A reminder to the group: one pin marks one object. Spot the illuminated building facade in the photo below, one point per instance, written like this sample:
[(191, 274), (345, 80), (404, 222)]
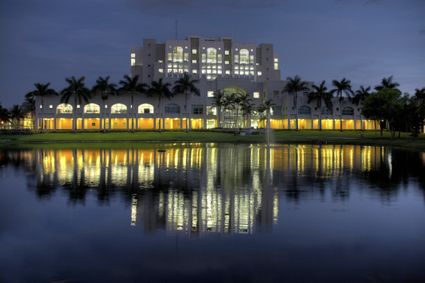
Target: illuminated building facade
[(218, 64)]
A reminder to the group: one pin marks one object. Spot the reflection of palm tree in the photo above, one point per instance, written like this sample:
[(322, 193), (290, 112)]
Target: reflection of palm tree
[(341, 88), (41, 90), (320, 94), (160, 89), (77, 90), (105, 89), (186, 85), (294, 86)]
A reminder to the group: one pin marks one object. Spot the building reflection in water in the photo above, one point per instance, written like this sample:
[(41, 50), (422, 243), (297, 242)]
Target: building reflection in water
[(198, 188)]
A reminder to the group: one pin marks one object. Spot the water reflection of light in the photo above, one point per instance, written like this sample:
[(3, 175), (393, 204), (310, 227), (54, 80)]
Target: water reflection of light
[(205, 188)]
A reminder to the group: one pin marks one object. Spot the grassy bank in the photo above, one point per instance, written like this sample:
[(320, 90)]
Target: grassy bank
[(121, 138)]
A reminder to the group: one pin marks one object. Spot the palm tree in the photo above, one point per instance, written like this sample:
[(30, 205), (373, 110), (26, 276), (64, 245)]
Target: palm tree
[(245, 103), (387, 83), (105, 89), (77, 90), (220, 102), (132, 86), (4, 116), (16, 114), (160, 89), (341, 88), (420, 93), (294, 86), (320, 94), (361, 94), (265, 106), (186, 85), (41, 90)]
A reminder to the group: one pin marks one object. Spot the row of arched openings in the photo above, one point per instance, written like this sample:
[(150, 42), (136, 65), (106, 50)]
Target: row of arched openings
[(93, 108)]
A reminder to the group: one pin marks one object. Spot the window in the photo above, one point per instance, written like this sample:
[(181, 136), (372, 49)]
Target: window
[(210, 93), (51, 106), (161, 70), (211, 110), (194, 71), (197, 109), (348, 111), (194, 51), (259, 73), (118, 108), (226, 62), (145, 108), (244, 56), (226, 52), (227, 72), (304, 110), (172, 108), (64, 108), (194, 61), (211, 55), (177, 54), (92, 108), (256, 94), (133, 59)]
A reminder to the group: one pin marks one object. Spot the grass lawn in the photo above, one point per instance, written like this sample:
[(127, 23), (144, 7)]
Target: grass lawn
[(123, 138)]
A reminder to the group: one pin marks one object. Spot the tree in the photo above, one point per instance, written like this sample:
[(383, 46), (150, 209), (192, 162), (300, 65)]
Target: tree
[(417, 111), (387, 83), (41, 91), (247, 108), (104, 88), (361, 94), (187, 86), (293, 86), (16, 114), (77, 91), (160, 90), (220, 102), (383, 105), (265, 106), (320, 94), (4, 116), (132, 86), (341, 88)]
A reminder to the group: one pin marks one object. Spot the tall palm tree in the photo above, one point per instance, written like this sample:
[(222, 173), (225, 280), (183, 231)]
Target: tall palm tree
[(41, 90), (320, 94), (294, 86), (387, 83), (265, 106), (160, 90), (361, 94), (4, 116), (220, 102), (132, 86), (105, 89), (186, 85), (16, 114), (341, 88), (77, 91), (247, 108)]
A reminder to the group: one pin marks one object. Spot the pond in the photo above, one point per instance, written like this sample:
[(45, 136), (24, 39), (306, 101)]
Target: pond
[(212, 213)]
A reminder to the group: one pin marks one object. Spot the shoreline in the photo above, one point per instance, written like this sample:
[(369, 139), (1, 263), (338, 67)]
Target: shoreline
[(88, 139)]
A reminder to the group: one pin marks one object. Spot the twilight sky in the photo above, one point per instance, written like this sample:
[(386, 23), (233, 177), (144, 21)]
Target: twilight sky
[(363, 40)]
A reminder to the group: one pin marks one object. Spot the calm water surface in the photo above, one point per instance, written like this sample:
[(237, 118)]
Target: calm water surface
[(212, 213)]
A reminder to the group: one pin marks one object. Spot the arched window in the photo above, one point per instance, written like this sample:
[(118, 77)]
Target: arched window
[(348, 110), (211, 55), (326, 111), (92, 108), (178, 54), (118, 108), (172, 108), (244, 56), (145, 108), (304, 110), (64, 109)]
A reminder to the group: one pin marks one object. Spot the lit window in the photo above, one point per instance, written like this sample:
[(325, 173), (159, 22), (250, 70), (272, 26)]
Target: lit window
[(186, 57), (64, 108), (244, 56), (226, 52), (91, 108), (160, 61), (41, 106), (256, 94), (276, 66), (145, 108), (106, 106), (133, 55), (211, 110), (78, 106), (237, 72), (259, 73), (210, 93), (226, 62), (227, 72), (211, 55), (51, 106), (161, 70), (276, 60), (194, 51), (118, 108), (177, 54), (204, 57), (194, 71), (194, 61), (170, 56), (132, 61), (203, 71)]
